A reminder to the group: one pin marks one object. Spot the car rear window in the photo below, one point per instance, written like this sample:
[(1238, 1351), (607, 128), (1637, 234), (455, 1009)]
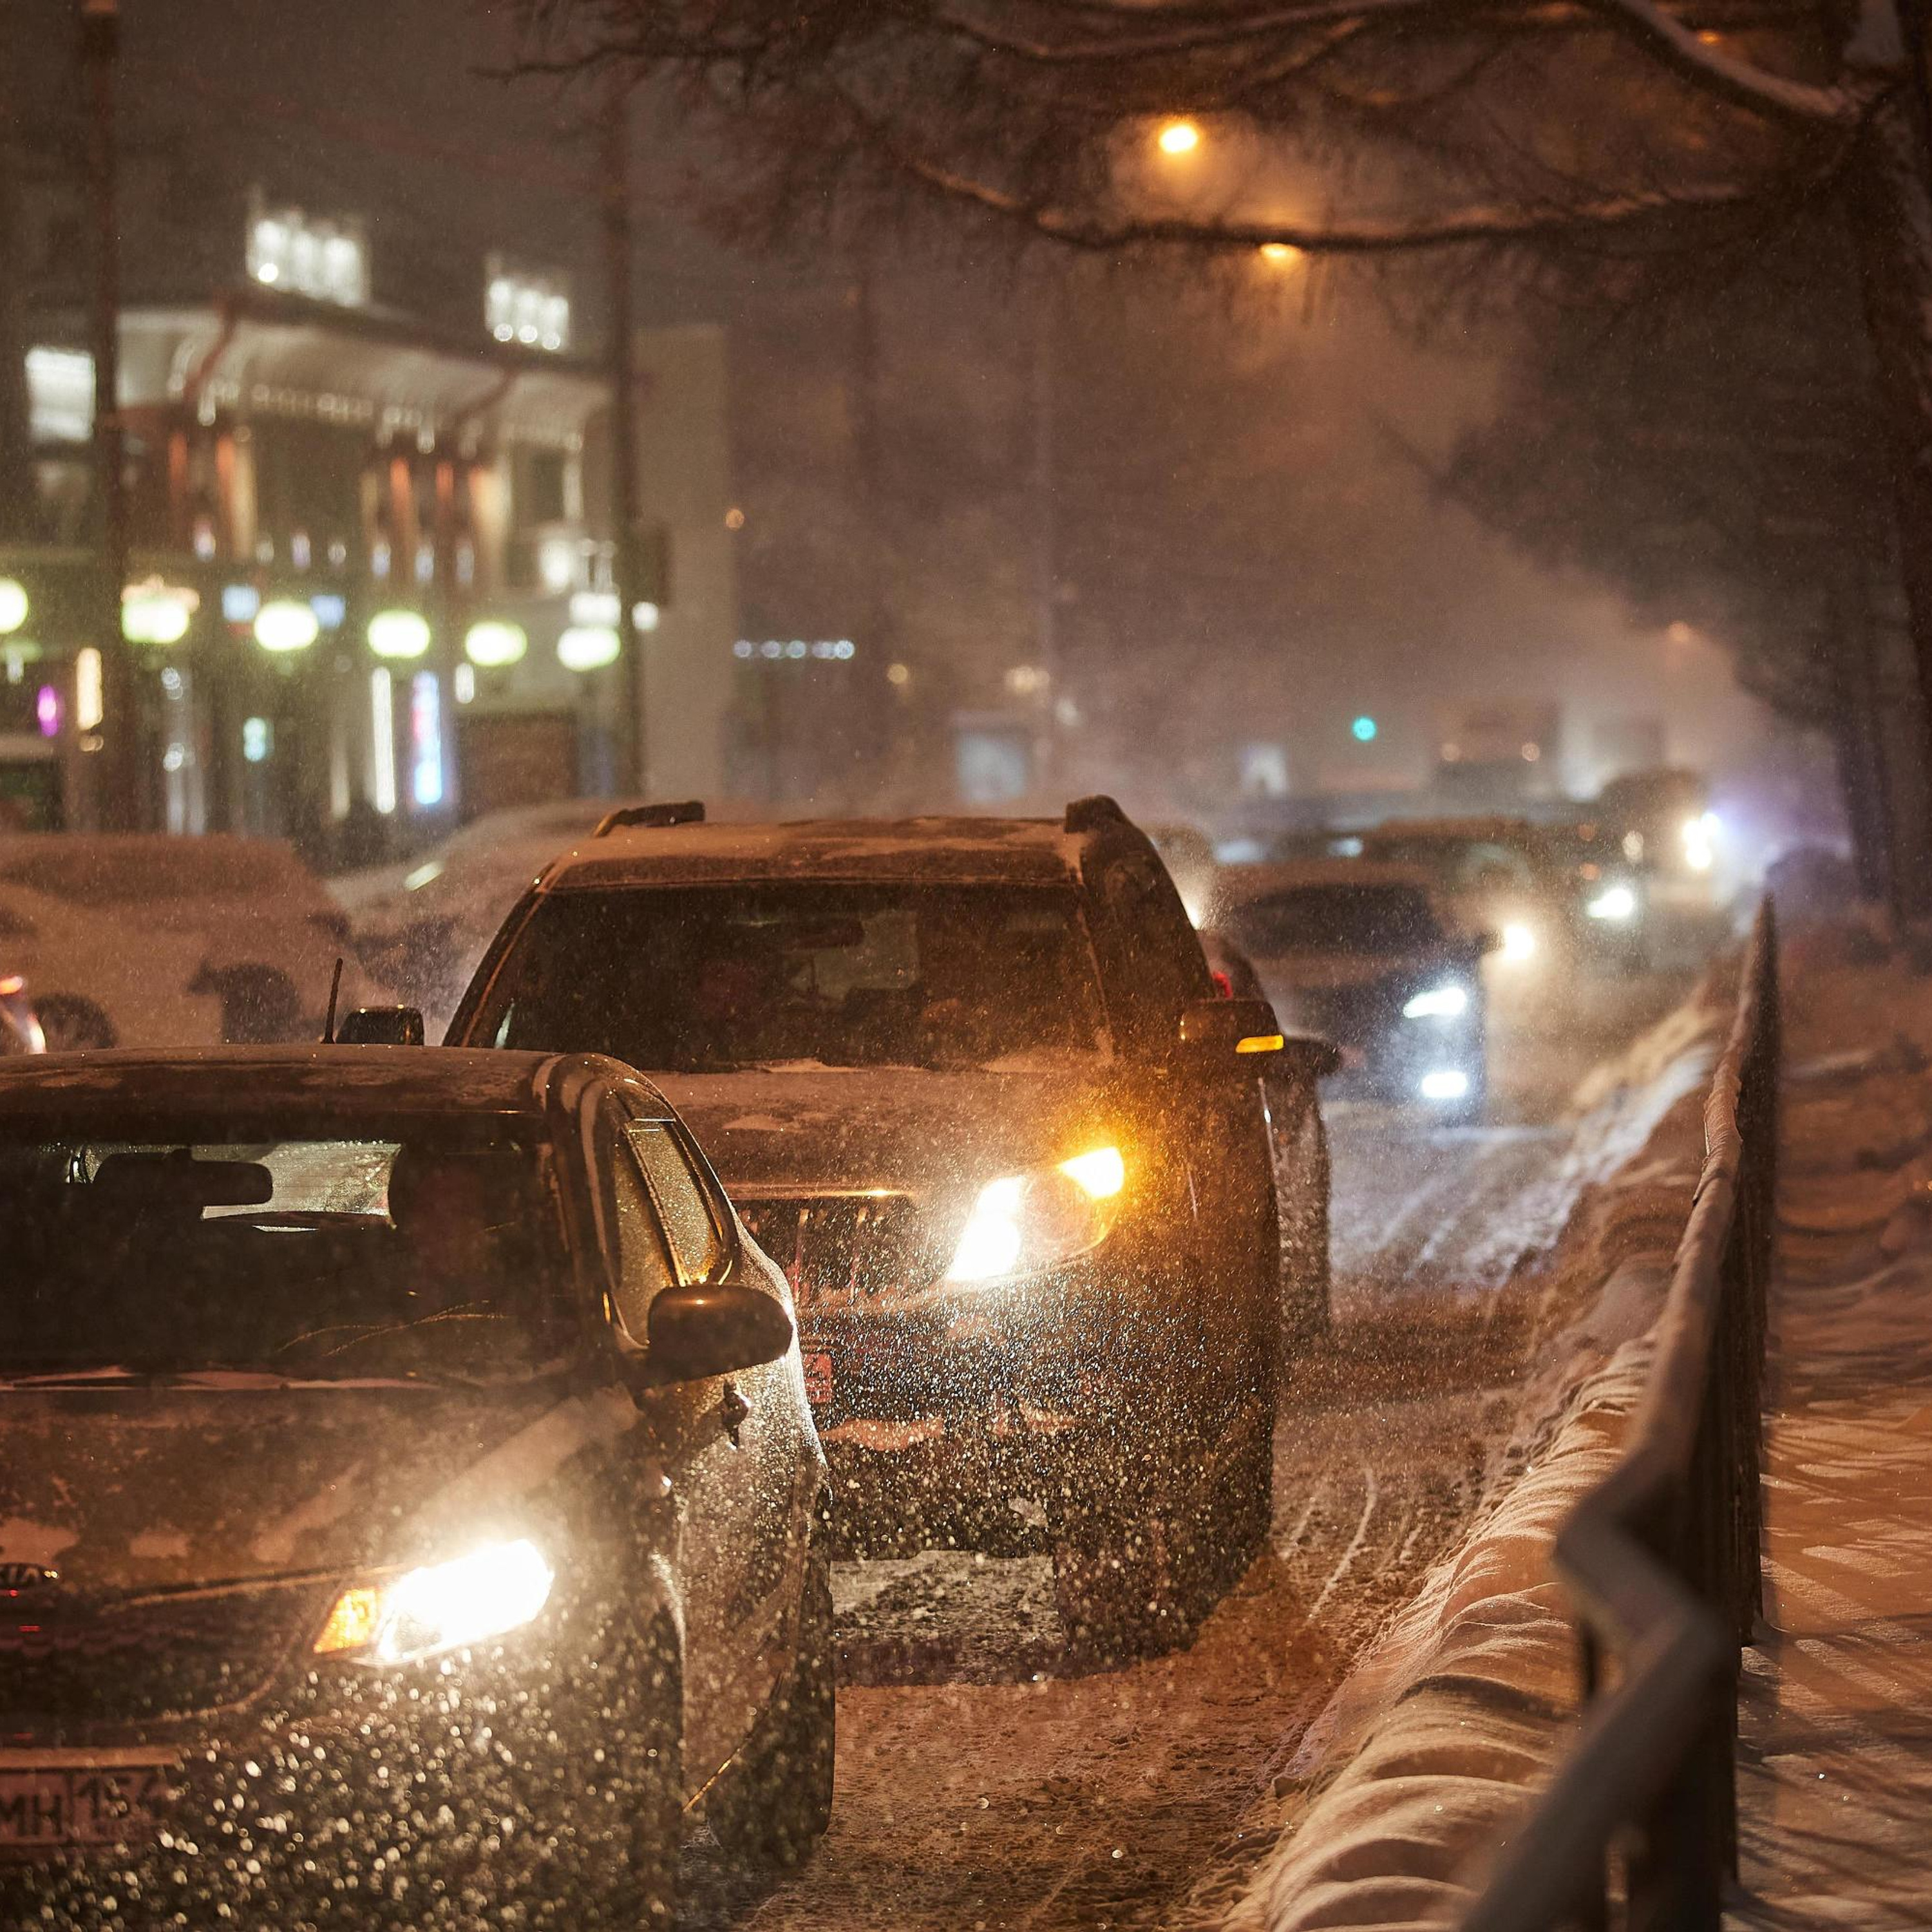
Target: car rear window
[(1336, 918)]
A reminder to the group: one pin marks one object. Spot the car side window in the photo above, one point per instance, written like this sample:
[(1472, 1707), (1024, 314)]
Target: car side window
[(643, 1262), (697, 1246)]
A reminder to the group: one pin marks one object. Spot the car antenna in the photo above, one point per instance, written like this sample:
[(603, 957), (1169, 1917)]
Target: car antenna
[(334, 992)]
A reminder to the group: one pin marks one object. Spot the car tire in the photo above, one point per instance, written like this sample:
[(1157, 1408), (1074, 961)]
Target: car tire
[(1303, 1182), (771, 1807), (72, 1023)]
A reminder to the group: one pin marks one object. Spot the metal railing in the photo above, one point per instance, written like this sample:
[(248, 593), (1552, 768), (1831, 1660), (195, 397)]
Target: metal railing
[(1639, 1826)]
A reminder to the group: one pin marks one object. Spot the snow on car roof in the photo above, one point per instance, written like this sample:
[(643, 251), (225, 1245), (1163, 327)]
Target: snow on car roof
[(1021, 850), (254, 1080)]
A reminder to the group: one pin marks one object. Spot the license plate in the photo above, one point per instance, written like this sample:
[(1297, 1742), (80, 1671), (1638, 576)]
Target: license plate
[(94, 1804), (818, 1379)]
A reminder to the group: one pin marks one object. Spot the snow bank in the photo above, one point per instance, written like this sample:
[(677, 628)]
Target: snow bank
[(1469, 1694)]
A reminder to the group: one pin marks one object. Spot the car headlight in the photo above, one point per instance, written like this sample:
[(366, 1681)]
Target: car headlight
[(1614, 902), (1700, 841), (1519, 940), (1022, 1223), (442, 1607), (1439, 1003)]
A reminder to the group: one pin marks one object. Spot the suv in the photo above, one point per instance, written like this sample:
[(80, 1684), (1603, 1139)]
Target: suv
[(970, 1083)]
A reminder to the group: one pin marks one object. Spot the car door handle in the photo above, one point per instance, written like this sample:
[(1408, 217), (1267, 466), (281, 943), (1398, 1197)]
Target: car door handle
[(733, 1409)]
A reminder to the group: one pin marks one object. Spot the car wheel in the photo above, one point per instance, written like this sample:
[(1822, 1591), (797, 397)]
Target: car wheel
[(773, 1805), (1303, 1181), (72, 1023)]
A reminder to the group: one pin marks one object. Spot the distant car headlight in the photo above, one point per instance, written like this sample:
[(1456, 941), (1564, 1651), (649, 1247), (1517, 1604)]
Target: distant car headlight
[(1449, 1002), (1700, 841), (1444, 1083), (442, 1607), (1518, 941), (1022, 1223), (1615, 902)]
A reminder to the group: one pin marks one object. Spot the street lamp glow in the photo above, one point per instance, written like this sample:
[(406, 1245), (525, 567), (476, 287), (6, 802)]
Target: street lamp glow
[(286, 625), (587, 647), (13, 606), (154, 612), (1279, 254), (399, 634), (493, 643), (1179, 137)]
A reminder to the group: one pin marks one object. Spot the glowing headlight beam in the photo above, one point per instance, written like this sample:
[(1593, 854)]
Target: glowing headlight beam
[(1615, 902), (1439, 1003), (1102, 1173), (442, 1606), (1022, 1223), (1518, 941)]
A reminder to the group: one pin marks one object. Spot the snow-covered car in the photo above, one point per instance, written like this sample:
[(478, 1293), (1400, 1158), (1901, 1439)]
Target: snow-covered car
[(146, 939), (1366, 955), (408, 1495), (970, 1082), (422, 928), (101, 981)]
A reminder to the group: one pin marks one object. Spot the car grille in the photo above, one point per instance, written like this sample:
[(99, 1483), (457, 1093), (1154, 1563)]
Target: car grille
[(842, 1247), (65, 1667)]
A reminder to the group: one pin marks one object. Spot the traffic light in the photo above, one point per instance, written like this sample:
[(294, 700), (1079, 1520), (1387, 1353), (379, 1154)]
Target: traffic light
[(1364, 728)]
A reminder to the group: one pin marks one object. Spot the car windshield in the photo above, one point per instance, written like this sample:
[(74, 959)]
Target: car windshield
[(713, 978), (1364, 919), (433, 1253)]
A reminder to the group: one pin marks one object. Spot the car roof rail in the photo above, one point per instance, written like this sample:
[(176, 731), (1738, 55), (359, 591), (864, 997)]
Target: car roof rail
[(1090, 814), (685, 811)]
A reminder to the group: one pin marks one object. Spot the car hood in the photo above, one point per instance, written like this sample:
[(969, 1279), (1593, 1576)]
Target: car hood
[(900, 1127), (235, 1479)]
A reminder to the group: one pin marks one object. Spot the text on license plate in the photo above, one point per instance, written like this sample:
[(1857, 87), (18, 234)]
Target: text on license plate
[(82, 1805), (818, 1379)]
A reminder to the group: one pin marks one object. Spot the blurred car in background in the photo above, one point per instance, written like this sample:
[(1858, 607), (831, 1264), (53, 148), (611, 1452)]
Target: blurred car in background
[(422, 927), (102, 981), (20, 1028), (149, 939), (1368, 955), (437, 1508)]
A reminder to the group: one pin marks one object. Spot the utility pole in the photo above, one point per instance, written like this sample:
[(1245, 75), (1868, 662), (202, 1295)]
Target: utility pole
[(118, 797), (1045, 395), (623, 365)]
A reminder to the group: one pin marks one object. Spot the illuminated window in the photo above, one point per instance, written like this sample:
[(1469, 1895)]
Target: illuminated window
[(533, 310), (328, 261), (382, 741), (425, 739)]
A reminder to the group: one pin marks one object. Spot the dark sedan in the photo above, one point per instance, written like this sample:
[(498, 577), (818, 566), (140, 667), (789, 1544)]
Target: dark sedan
[(409, 1498)]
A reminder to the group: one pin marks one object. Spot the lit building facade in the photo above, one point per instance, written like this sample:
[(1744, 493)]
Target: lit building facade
[(370, 588)]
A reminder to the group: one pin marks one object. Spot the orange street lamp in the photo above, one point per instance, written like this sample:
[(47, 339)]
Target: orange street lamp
[(1179, 137)]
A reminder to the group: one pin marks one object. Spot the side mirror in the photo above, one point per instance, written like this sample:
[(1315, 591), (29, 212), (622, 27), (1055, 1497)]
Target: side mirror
[(713, 1330), (1228, 1031), (381, 1026)]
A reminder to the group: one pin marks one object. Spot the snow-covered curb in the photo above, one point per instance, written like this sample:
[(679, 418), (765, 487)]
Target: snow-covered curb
[(1424, 1753)]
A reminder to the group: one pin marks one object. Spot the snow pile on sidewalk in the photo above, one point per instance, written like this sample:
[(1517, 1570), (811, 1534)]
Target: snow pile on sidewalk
[(1468, 1696)]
